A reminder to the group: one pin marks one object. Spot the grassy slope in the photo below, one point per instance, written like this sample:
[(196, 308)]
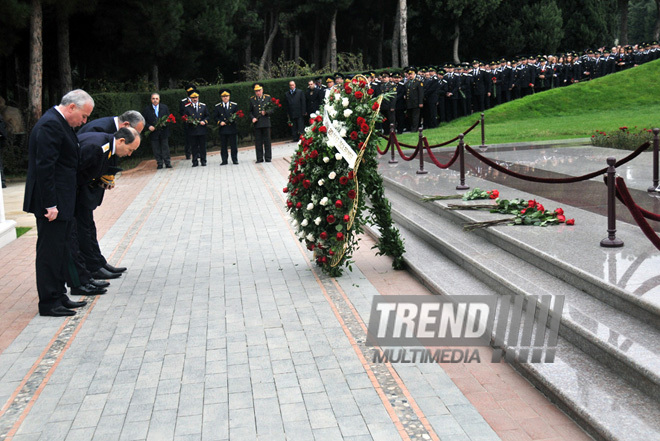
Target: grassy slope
[(630, 98)]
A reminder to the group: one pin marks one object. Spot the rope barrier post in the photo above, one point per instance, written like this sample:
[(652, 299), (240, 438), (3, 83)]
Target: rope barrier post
[(461, 157), (483, 145), (655, 185), (611, 240), (420, 147), (391, 140)]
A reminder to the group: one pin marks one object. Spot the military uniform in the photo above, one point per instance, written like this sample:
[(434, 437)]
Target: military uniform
[(196, 114), (228, 132), (183, 104), (414, 95), (261, 125)]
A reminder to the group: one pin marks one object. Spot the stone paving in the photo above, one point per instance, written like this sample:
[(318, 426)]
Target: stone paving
[(221, 329)]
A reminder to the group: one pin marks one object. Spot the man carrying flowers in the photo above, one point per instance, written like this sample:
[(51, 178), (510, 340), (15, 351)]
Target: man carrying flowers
[(260, 114)]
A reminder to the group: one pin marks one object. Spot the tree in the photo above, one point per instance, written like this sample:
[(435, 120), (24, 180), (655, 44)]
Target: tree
[(588, 23), (332, 42), (475, 11), (403, 16), (623, 21), (656, 28), (396, 35), (36, 63)]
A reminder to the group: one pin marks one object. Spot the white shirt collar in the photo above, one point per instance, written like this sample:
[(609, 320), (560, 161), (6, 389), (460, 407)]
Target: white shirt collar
[(116, 118), (59, 111)]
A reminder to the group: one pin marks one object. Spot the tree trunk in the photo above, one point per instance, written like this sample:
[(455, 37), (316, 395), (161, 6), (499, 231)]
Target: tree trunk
[(333, 42), (457, 33), (296, 50), (248, 50), (36, 64), (154, 76), (656, 28), (66, 84), (403, 8), (381, 38), (269, 44), (623, 22), (395, 37), (316, 54)]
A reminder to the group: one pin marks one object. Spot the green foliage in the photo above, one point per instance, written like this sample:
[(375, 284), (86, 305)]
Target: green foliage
[(624, 138), (14, 15), (626, 98)]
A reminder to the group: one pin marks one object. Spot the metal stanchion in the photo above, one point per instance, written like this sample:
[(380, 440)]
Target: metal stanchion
[(483, 145), (420, 147), (391, 138), (656, 184), (461, 158), (611, 240)]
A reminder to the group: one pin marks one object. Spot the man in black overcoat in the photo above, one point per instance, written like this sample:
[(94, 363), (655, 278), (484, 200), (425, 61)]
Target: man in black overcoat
[(159, 136), (296, 108), (50, 194)]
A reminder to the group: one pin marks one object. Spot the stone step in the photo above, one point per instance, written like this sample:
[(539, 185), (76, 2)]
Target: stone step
[(593, 394), (624, 343)]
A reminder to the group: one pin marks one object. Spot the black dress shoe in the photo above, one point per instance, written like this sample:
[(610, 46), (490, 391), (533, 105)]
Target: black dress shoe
[(168, 165), (203, 163), (114, 269), (160, 166), (236, 163), (267, 160), (88, 290), (104, 274), (224, 163), (98, 283), (195, 164), (58, 311), (187, 156), (68, 303), (259, 161)]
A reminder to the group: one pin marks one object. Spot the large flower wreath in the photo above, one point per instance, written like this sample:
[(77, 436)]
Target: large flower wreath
[(334, 167)]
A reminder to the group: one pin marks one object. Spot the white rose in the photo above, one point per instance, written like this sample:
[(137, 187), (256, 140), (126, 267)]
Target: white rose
[(347, 113), (304, 223), (336, 124), (332, 175), (338, 156), (301, 235), (337, 96), (342, 133), (294, 223), (317, 221), (344, 102), (326, 159), (324, 202), (321, 182), (313, 115), (310, 206), (310, 237)]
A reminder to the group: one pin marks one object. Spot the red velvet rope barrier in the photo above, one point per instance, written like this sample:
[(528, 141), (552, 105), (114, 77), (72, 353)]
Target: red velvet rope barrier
[(403, 156), (622, 191), (435, 160), (498, 167), (647, 214), (457, 137), (382, 152)]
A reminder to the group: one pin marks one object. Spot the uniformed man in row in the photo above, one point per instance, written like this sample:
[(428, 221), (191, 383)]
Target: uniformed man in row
[(414, 89), (196, 117), (183, 104), (260, 115), (224, 115)]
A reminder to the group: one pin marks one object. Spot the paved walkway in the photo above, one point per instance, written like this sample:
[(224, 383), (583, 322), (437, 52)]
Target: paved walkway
[(222, 329)]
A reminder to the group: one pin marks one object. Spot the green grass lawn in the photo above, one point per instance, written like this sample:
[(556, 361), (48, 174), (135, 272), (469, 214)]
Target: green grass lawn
[(22, 230), (630, 98)]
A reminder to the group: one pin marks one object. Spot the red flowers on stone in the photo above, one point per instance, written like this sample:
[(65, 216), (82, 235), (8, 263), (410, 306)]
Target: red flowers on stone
[(570, 222), (285, 189), (494, 194)]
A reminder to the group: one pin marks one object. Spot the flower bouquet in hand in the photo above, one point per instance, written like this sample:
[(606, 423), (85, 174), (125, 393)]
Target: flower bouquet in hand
[(232, 118), (190, 120), (272, 105), (162, 122)]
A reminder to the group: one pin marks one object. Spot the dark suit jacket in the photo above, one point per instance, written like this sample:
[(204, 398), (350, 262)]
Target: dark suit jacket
[(151, 120), (52, 166), (95, 158), (296, 103), (256, 106), (314, 99), (201, 114), (105, 125), (221, 114)]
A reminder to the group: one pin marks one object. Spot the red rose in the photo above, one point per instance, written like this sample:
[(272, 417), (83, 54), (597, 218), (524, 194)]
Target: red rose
[(570, 222), (360, 121), (351, 194), (348, 89), (298, 205), (361, 145), (313, 154), (559, 211), (354, 81), (364, 128), (354, 135), (494, 194), (531, 203), (350, 174), (307, 183), (540, 208), (343, 180), (323, 235), (339, 203), (375, 106), (331, 219), (323, 129), (359, 95), (313, 128), (523, 211), (370, 92), (310, 246), (340, 236), (324, 259), (285, 189), (318, 118), (561, 218), (347, 218), (311, 121), (289, 204), (332, 253), (294, 192)]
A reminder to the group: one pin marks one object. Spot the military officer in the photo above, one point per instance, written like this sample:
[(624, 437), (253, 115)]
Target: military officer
[(183, 104), (414, 90), (222, 114), (196, 117), (261, 122)]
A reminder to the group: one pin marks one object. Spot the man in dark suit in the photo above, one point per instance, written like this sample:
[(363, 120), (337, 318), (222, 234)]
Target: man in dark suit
[(414, 98), (183, 104), (314, 98), (196, 117), (296, 108), (95, 262), (159, 134), (224, 114), (261, 121), (50, 193)]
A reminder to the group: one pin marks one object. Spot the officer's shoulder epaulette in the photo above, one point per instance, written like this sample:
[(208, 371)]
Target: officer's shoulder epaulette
[(202, 104), (266, 95), (218, 104), (231, 102), (421, 84)]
